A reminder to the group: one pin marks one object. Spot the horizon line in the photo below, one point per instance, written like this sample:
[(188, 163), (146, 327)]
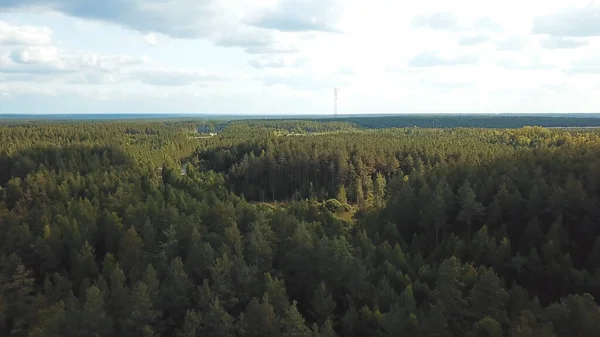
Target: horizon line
[(291, 115)]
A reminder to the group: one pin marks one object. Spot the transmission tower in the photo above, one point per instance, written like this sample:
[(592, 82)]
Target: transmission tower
[(335, 97)]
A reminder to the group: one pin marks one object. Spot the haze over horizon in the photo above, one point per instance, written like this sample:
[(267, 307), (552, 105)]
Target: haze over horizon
[(284, 57)]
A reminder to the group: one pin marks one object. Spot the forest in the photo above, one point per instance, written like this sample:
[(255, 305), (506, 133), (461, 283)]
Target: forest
[(316, 228)]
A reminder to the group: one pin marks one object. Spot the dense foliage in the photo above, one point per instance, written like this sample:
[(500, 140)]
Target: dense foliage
[(297, 228)]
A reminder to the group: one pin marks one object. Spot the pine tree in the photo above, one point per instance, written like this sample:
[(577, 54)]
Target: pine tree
[(326, 330), (322, 304), (175, 293), (488, 297), (217, 322), (131, 254), (260, 319), (379, 185), (191, 325), (527, 324), (50, 321), (359, 192), (276, 292), (85, 264), (152, 283), (448, 293), (93, 320), (341, 194), (470, 208), (16, 296), (118, 298), (140, 318), (293, 324), (369, 192), (487, 327)]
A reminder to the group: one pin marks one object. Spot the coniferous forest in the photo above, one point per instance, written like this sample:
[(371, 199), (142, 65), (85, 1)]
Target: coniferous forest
[(297, 228)]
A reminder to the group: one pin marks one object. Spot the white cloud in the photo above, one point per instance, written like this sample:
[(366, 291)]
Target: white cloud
[(437, 20), (512, 43), (27, 89), (34, 60), (275, 49), (583, 66), (173, 77), (33, 55), (433, 59), (29, 60), (278, 61), (24, 35), (472, 40), (298, 16), (554, 42), (151, 39), (51, 60), (220, 21), (524, 65), (580, 21)]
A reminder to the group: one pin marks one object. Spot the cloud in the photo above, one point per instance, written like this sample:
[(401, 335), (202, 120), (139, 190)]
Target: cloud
[(589, 65), (32, 62), (530, 65), (430, 59), (448, 85), (215, 20), (286, 61), (151, 39), (473, 40), (248, 38), (346, 71), (97, 77), (27, 89), (572, 22), (253, 40), (108, 62), (557, 42), (23, 35), (437, 21), (39, 60), (49, 60), (34, 55), (487, 24), (298, 16), (30, 77), (512, 43), (306, 82), (173, 77), (447, 21), (271, 49), (177, 18)]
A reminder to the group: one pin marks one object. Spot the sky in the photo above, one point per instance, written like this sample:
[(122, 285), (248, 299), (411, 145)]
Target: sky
[(286, 56)]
